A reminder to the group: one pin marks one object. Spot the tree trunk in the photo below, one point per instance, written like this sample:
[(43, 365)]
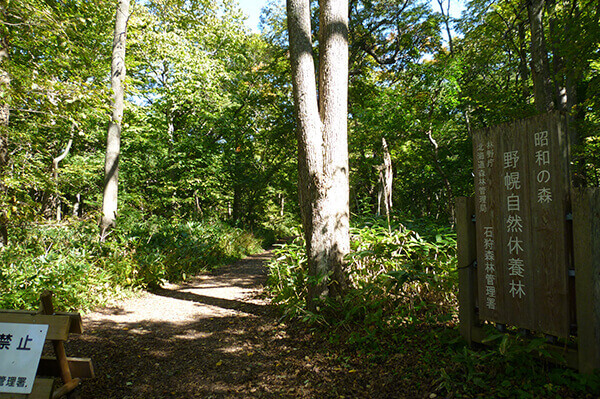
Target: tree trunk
[(542, 83), (55, 163), (386, 180), (322, 140), (436, 158), (446, 19), (113, 140), (237, 203), (4, 121), (77, 206), (523, 67)]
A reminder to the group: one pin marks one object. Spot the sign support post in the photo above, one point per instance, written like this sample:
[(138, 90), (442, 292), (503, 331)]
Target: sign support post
[(529, 243), (465, 210), (586, 238)]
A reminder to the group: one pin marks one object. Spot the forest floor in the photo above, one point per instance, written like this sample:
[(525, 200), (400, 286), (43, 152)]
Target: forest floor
[(216, 336)]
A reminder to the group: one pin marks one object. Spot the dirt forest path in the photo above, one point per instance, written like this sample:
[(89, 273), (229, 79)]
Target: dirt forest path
[(217, 337)]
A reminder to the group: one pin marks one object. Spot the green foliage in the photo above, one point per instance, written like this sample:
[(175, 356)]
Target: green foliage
[(288, 276), (396, 276), (83, 273), (401, 302), (511, 366), (412, 275)]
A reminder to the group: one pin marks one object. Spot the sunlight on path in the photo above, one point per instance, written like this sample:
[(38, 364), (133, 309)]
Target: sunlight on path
[(229, 291)]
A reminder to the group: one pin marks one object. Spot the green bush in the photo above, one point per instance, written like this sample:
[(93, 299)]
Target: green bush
[(68, 259), (395, 275)]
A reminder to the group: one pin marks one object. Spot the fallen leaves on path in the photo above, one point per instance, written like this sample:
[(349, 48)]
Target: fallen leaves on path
[(217, 337)]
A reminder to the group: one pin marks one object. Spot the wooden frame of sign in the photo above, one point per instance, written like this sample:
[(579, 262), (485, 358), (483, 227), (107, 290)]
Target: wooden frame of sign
[(70, 370), (526, 259)]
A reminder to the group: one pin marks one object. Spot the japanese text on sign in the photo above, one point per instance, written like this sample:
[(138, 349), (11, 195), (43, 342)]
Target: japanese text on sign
[(20, 350), (522, 200), (516, 263), (485, 159), (542, 159)]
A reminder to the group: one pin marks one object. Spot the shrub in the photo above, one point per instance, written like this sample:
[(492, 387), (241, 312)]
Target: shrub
[(68, 259), (395, 274)]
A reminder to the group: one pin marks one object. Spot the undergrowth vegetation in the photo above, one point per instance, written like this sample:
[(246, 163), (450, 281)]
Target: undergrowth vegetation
[(401, 299), (396, 276), (68, 258)]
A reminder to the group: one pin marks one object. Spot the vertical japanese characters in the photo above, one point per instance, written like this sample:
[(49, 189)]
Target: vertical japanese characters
[(522, 202), (513, 224), (542, 160), (490, 268), (485, 161)]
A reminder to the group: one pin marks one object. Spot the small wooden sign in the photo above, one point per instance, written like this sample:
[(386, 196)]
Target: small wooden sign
[(521, 206), (20, 350)]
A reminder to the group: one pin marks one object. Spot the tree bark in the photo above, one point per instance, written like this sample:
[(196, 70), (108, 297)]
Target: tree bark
[(386, 180), (540, 70), (523, 67), (113, 140), (322, 140), (4, 122), (446, 19), (55, 163), (59, 158)]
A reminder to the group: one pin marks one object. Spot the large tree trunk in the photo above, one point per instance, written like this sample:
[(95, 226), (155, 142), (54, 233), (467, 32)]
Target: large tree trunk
[(322, 140), (113, 140), (4, 120), (540, 70)]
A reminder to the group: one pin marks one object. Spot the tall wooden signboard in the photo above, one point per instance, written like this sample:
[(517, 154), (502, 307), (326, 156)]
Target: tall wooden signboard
[(526, 259), (521, 206)]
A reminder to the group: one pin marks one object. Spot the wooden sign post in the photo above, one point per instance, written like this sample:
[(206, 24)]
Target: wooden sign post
[(58, 326), (586, 239), (519, 230)]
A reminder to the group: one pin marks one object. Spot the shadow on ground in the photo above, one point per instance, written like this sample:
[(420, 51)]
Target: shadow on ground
[(245, 355)]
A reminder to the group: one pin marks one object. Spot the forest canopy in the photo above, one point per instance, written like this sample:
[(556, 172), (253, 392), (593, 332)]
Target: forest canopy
[(208, 127)]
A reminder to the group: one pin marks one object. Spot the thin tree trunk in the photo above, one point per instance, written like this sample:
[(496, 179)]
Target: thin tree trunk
[(237, 203), (523, 68), (113, 140), (386, 179), (322, 140), (446, 19), (542, 84), (438, 167), (55, 163), (77, 206), (59, 158), (4, 122)]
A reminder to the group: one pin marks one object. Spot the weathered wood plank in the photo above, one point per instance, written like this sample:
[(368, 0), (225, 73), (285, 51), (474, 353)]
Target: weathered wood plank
[(80, 367), (76, 326), (47, 307), (58, 326), (522, 199), (488, 210), (467, 294), (42, 389), (515, 226), (586, 237), (550, 203)]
